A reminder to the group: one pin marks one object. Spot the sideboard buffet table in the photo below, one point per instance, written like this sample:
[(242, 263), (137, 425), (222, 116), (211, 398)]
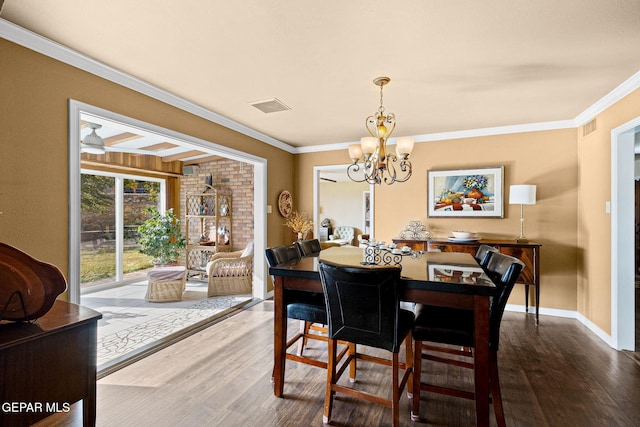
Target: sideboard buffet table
[(48, 364), (529, 253)]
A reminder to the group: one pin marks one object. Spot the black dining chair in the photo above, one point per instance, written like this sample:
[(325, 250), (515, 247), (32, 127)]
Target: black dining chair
[(309, 247), (483, 254), (454, 327), (363, 307), (308, 307)]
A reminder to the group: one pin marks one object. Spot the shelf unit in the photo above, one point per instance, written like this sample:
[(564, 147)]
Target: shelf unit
[(208, 227)]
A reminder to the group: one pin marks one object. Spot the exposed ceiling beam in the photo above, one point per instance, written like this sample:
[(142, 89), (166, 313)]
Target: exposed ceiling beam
[(123, 137), (183, 155)]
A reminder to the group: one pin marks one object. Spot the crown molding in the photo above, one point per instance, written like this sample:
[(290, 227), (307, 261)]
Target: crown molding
[(622, 90), (23, 37), (443, 136)]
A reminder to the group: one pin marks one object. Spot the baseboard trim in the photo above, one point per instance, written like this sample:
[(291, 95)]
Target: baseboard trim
[(570, 314)]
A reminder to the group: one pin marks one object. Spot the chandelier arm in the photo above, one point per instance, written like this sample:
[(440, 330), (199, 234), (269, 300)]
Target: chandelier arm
[(405, 166), (355, 167)]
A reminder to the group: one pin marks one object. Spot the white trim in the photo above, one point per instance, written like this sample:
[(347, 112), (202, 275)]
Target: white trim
[(596, 330), (40, 44), (569, 314), (260, 189), (622, 226), (622, 90), (443, 136), (543, 311)]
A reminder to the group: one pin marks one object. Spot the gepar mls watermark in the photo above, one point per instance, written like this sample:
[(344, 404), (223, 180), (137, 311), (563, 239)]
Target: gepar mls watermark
[(34, 407)]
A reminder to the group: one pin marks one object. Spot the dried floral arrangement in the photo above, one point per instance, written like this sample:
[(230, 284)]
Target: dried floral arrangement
[(299, 222)]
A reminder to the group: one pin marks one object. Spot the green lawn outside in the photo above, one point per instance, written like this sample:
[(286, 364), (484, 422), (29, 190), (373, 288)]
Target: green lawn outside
[(96, 264)]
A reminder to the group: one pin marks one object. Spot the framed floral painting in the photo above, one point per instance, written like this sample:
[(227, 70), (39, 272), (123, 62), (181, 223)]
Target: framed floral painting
[(466, 193)]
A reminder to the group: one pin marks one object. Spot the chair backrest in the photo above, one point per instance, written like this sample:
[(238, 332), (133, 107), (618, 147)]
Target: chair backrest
[(362, 304), (484, 254), (309, 247), (282, 254), (346, 233), (504, 271)]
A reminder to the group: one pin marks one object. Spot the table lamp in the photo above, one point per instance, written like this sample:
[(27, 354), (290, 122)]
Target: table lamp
[(522, 195)]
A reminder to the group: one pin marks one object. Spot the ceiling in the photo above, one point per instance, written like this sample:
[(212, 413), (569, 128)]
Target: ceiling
[(454, 65)]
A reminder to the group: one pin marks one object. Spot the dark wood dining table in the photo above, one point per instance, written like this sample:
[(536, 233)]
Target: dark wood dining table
[(447, 279)]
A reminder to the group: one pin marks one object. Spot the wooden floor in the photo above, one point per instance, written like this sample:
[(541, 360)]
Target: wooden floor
[(555, 374)]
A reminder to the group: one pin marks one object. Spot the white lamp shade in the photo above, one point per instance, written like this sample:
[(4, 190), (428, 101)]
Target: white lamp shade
[(522, 195), (404, 145), (355, 152), (368, 144)]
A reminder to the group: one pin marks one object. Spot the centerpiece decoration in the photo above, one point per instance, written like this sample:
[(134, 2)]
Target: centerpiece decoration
[(299, 223)]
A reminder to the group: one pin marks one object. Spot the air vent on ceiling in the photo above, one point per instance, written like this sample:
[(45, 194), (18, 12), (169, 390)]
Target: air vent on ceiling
[(272, 105), (589, 127)]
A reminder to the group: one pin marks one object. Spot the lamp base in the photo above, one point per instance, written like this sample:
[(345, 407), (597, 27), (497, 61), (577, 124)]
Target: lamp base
[(522, 239)]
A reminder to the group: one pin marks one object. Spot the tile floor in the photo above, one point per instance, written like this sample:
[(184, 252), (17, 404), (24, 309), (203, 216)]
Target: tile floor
[(129, 322)]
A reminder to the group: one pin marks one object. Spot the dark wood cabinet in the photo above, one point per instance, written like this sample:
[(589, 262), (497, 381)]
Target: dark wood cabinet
[(48, 365), (529, 253)]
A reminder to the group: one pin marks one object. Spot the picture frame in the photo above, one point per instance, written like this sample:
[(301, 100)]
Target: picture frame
[(461, 193)]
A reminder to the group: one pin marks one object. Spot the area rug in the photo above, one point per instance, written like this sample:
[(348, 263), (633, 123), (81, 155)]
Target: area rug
[(132, 338)]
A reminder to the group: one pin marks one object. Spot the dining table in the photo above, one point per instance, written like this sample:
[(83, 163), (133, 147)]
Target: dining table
[(447, 279)]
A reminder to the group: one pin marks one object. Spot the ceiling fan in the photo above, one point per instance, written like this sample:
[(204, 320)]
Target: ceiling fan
[(94, 144)]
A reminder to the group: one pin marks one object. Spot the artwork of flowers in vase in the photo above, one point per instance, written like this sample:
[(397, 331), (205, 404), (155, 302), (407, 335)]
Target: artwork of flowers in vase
[(466, 192)]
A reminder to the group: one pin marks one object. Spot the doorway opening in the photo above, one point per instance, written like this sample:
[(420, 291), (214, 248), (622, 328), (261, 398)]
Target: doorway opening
[(623, 311), (341, 202), (196, 309)]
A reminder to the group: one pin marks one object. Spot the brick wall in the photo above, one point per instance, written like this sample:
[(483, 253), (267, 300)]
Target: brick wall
[(237, 176)]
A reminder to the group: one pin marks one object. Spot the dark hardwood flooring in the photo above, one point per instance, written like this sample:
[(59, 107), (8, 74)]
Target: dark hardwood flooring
[(554, 374)]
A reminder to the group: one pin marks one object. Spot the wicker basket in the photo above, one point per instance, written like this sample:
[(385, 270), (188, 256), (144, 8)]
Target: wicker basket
[(165, 291)]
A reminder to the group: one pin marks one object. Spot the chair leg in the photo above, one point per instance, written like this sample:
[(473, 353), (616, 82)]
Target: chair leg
[(417, 370), (304, 330), (331, 379), (395, 397), (495, 388), (408, 362), (352, 364)]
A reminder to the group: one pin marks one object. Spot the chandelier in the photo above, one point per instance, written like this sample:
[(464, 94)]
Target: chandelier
[(378, 165)]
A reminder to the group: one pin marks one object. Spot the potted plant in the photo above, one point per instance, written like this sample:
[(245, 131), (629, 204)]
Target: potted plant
[(161, 237)]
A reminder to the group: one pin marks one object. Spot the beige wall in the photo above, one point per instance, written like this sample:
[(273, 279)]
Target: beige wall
[(34, 147), (573, 175), (547, 159)]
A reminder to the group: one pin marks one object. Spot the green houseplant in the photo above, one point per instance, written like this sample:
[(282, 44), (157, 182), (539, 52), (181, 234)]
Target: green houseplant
[(161, 237)]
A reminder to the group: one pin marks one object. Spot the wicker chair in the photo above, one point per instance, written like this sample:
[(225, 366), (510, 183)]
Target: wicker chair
[(231, 273)]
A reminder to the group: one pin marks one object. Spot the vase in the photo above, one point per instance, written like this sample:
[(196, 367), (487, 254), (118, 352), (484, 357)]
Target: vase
[(300, 236), (474, 193)]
